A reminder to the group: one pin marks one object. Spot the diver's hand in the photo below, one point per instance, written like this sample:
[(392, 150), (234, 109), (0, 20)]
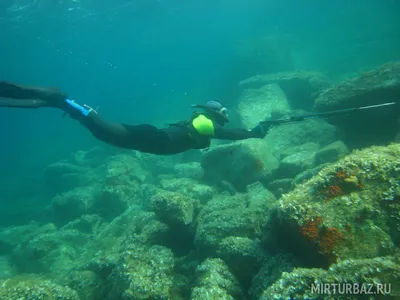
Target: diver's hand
[(260, 131)]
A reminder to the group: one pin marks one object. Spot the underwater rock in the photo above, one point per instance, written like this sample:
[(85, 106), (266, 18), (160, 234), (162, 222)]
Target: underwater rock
[(159, 164), (296, 163), (349, 210), (15, 235), (215, 281), (241, 163), (243, 256), (307, 175), (301, 87), (270, 271), (310, 147), (189, 188), (90, 158), (367, 127), (280, 186), (258, 197), (87, 284), (54, 251), (331, 153), (7, 270), (173, 208), (125, 169), (260, 104), (376, 86), (62, 176), (380, 272), (90, 224), (226, 216), (282, 138), (142, 273), (33, 288), (190, 170), (108, 202), (134, 227)]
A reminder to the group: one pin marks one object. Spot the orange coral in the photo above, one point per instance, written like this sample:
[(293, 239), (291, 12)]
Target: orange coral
[(310, 229), (334, 191), (340, 174), (329, 240)]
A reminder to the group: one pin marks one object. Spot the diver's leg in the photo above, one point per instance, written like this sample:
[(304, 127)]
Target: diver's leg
[(44, 96), (145, 138)]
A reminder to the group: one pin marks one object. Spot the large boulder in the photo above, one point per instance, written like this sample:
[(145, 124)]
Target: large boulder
[(63, 176), (261, 104), (30, 287), (173, 208), (377, 276), (189, 188), (242, 215), (301, 87), (349, 210), (306, 136), (240, 163), (142, 273), (367, 127), (215, 281)]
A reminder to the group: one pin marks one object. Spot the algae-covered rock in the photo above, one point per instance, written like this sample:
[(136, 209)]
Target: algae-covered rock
[(371, 87), (260, 104), (280, 186), (331, 153), (173, 208), (270, 271), (377, 276), (282, 138), (30, 288), (7, 269), (107, 201), (12, 236), (241, 163), (90, 158), (55, 251), (296, 163), (73, 204), (366, 127), (122, 167), (63, 176), (307, 174), (133, 227), (87, 284), (309, 147), (189, 188), (215, 281), (226, 216), (191, 170), (243, 256), (349, 210), (142, 274), (300, 87), (91, 224), (258, 197)]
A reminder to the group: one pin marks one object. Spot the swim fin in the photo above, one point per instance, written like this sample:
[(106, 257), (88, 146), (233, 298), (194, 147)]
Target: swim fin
[(26, 96)]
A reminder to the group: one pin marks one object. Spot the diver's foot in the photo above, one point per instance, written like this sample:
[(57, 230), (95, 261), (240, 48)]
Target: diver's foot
[(50, 97)]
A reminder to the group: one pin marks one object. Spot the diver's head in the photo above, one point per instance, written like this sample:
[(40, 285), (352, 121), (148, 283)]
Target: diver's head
[(216, 111)]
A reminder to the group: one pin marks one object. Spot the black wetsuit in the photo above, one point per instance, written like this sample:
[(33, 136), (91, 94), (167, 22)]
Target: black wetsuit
[(145, 138)]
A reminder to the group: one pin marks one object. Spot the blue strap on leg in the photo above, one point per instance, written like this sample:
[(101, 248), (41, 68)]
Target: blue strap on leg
[(79, 108)]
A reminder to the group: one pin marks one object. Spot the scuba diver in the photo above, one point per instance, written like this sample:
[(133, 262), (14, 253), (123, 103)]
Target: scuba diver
[(195, 133)]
